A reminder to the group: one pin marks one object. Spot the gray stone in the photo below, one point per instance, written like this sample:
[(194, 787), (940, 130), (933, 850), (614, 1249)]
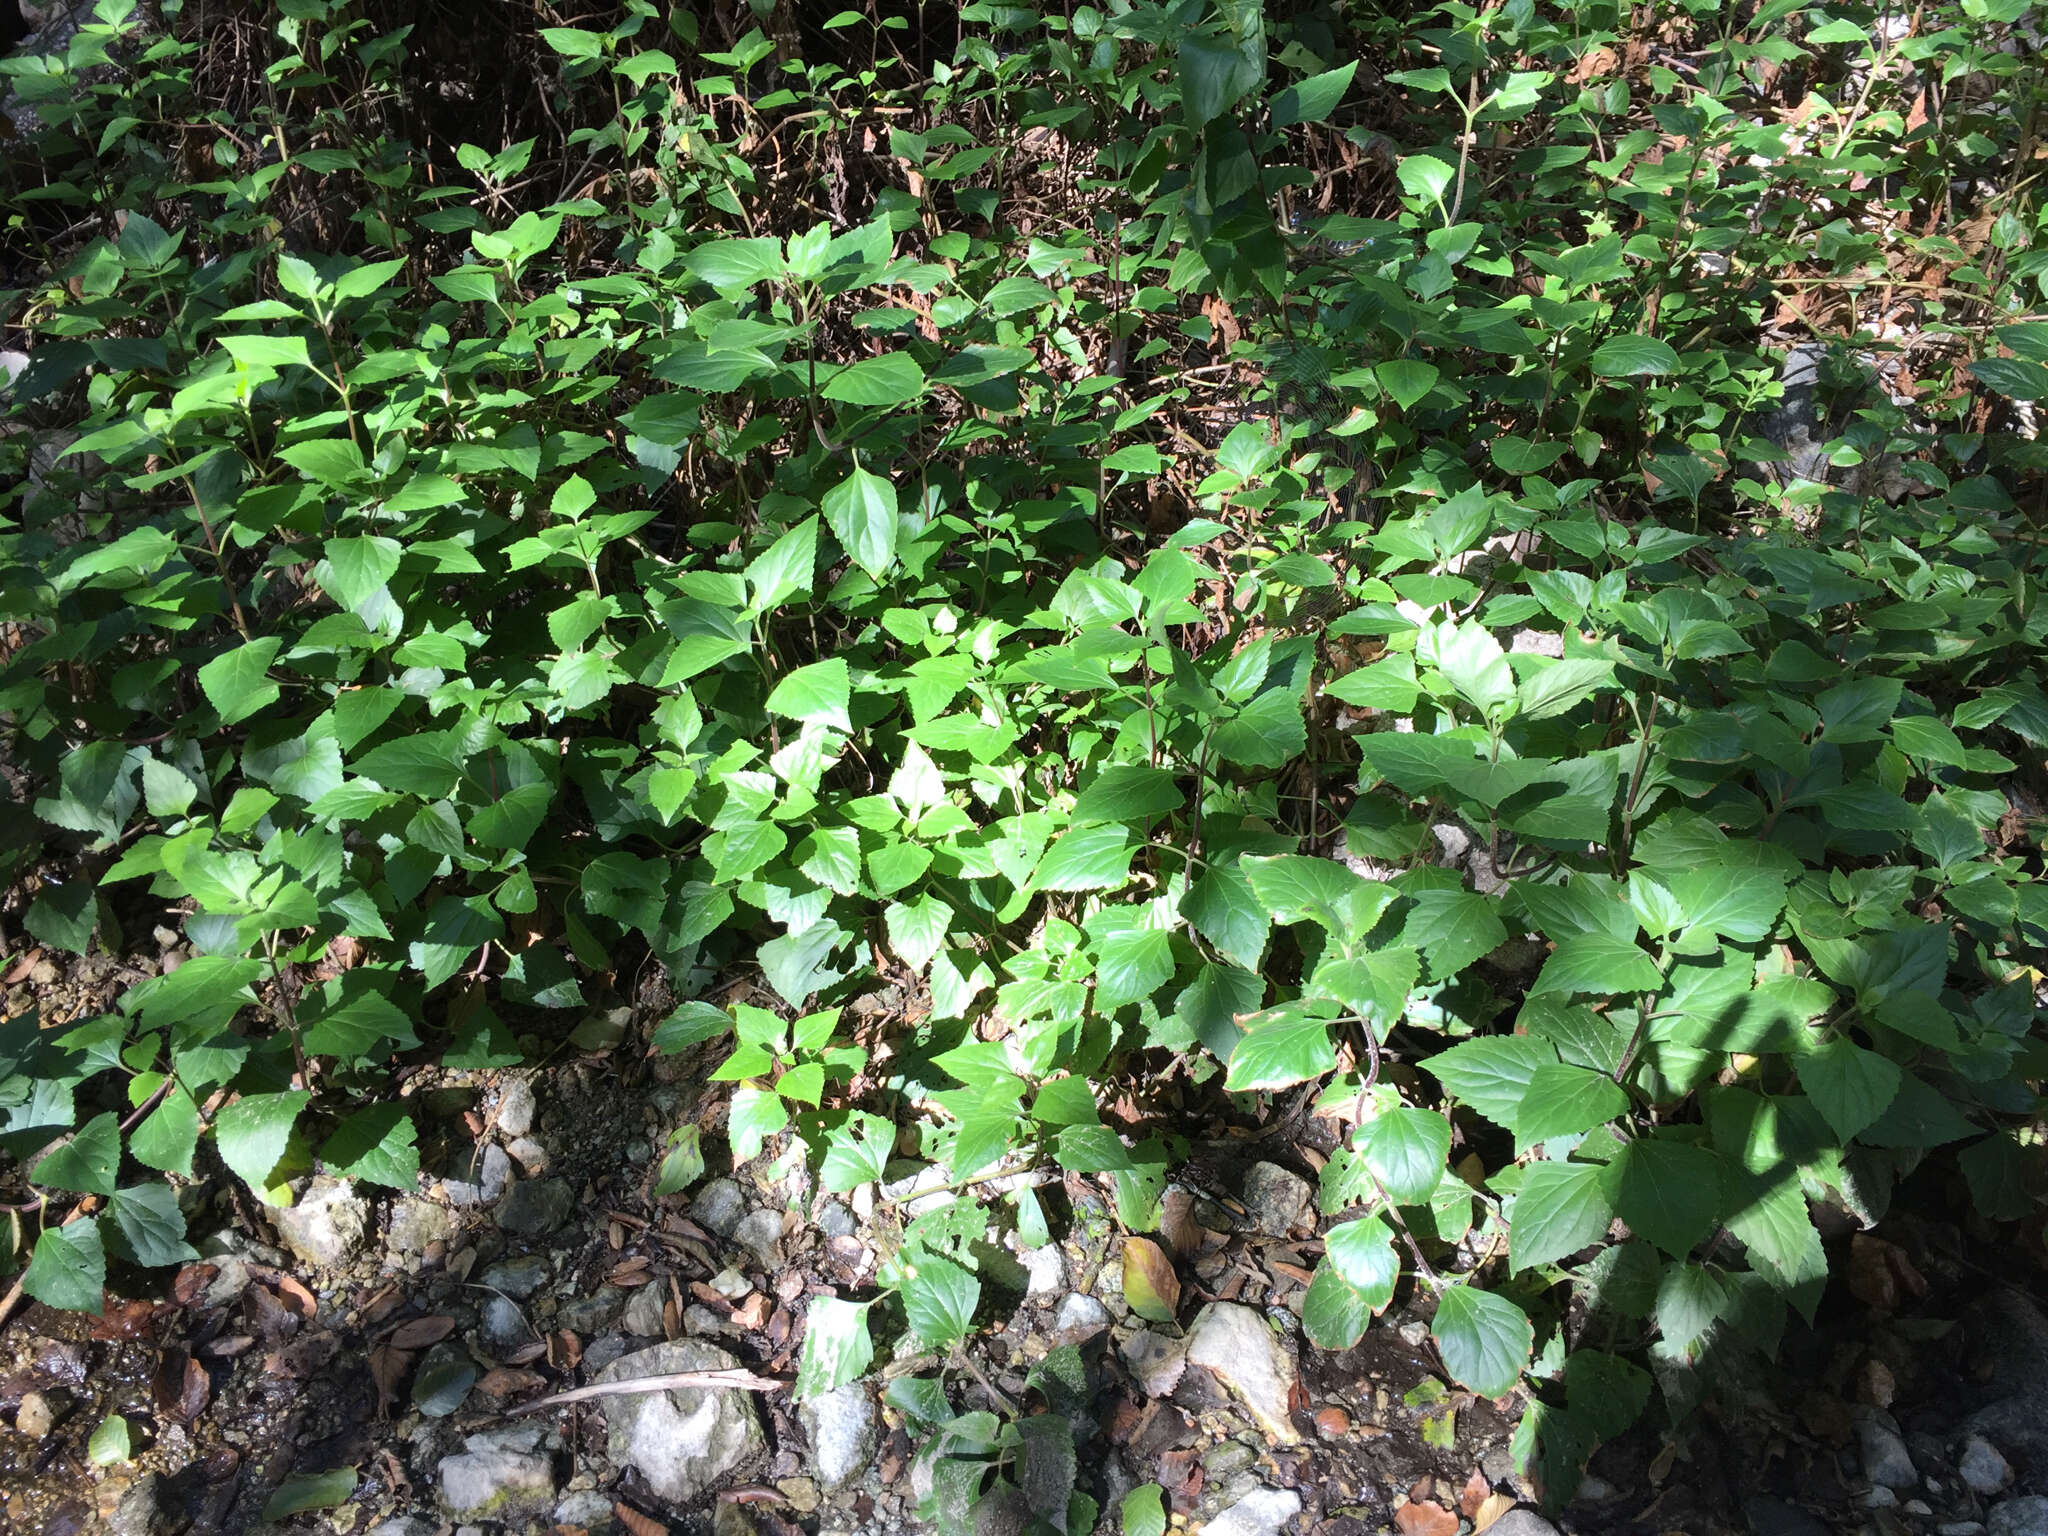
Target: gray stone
[(415, 1224), (760, 1233), (529, 1154), (497, 1171), (1046, 1269), (602, 1352), (1080, 1317), (643, 1313), (1886, 1461), (496, 1485), (326, 1225), (534, 1208), (1982, 1467), (718, 1207), (835, 1220), (1960, 1528), (402, 1525), (1877, 1497), (515, 1108), (136, 1514), (504, 1326), (2019, 1517), (518, 1278), (593, 1313), (842, 1429), (586, 1508), (1155, 1361), (1234, 1344), (684, 1442), (1522, 1522), (1260, 1513), (1275, 1197), (700, 1320)]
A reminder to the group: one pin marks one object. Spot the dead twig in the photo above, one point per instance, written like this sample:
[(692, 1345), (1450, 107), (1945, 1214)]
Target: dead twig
[(739, 1380)]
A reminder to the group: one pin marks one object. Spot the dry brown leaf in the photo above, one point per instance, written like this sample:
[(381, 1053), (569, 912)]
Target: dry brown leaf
[(289, 1291), (753, 1312), (123, 1320), (419, 1332), (1177, 1222), (1425, 1517), (1880, 1273), (565, 1350), (1475, 1492), (1594, 64), (18, 972), (192, 1282), (387, 1369), (505, 1382), (180, 1385)]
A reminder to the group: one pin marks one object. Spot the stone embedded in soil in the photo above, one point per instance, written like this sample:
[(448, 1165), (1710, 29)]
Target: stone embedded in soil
[(760, 1233), (518, 1278), (326, 1225), (497, 1485), (644, 1313), (414, 1224), (2019, 1517), (593, 1313), (586, 1508), (1982, 1467), (35, 1418), (1275, 1197), (504, 1326), (515, 1108), (842, 1428), (404, 1525), (1234, 1344), (684, 1442), (1775, 1517), (497, 1171), (535, 1208), (1080, 1317), (1046, 1269), (1521, 1522), (1263, 1512), (718, 1207), (1155, 1361), (529, 1154), (1886, 1461)]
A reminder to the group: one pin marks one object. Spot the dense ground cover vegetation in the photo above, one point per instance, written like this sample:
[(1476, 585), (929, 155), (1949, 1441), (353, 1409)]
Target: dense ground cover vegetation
[(1238, 559)]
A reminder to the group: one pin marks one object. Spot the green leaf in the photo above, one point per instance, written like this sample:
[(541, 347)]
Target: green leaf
[(1223, 910), (376, 1144), (837, 1348), (1850, 1086), (1607, 1391), (1130, 966), (891, 379), (1334, 1314), (1690, 1300), (816, 693), (1280, 1053), (1668, 1191), (268, 351), (2016, 378), (786, 570), (87, 1163), (939, 1298), (109, 1445), (1563, 1101), (1313, 99), (756, 1114), (1407, 380), (733, 266), (1297, 888), (1560, 1208), (1363, 1252), (1127, 792), (252, 1133), (1215, 75), (148, 1228), (1144, 1511), (1633, 357), (1405, 1148), (1857, 710), (1595, 962), (1484, 1339), (861, 511), (1453, 929), (1087, 859), (1769, 1218), (310, 1490), (856, 1153), (682, 1164), (69, 1270), (917, 929), (1492, 1075), (168, 1134), (355, 570), (237, 683)]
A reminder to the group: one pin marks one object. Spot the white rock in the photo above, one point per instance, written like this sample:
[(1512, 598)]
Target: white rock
[(1522, 1522), (760, 1233), (718, 1207), (497, 1171), (1982, 1467), (496, 1485), (1886, 1461), (684, 1442), (1260, 1513), (515, 1108), (1047, 1269), (843, 1432), (1234, 1344), (529, 1154), (644, 1313), (326, 1225), (1080, 1317), (2020, 1517)]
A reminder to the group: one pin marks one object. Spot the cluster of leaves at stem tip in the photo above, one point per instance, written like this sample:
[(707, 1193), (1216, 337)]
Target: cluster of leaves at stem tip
[(509, 590)]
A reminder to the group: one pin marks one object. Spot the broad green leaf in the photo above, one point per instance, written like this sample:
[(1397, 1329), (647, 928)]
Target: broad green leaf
[(376, 1144), (1668, 1191), (732, 266), (168, 1134), (69, 1268), (1560, 1208), (1406, 380), (87, 1163), (268, 351), (1215, 74), (310, 1490), (816, 693), (1453, 928), (1405, 1149), (1769, 1218), (237, 683), (1563, 1101), (1087, 859), (1594, 962), (939, 1298), (109, 1445), (1144, 1511), (1296, 887), (861, 511), (1849, 1085), (1609, 1392), (891, 379), (1690, 1300), (1633, 357), (856, 1153), (682, 1164), (1130, 966), (252, 1133), (756, 1114), (1223, 909), (837, 1348), (1484, 1339), (1281, 1052), (148, 1228), (1314, 99), (1375, 985), (1363, 1252), (1334, 1314), (1127, 792), (1492, 1075), (917, 929)]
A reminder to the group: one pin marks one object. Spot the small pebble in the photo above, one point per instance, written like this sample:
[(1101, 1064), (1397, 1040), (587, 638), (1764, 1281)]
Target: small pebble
[(35, 1418)]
